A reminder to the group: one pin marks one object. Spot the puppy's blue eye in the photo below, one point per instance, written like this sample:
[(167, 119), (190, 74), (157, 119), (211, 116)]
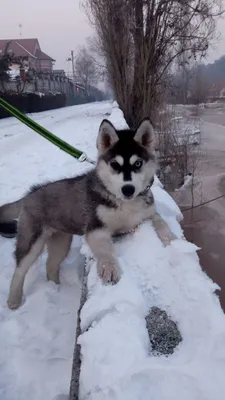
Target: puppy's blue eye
[(138, 164), (115, 165)]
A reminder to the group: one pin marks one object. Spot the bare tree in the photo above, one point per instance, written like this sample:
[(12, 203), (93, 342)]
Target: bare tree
[(199, 85), (190, 83), (86, 70), (7, 60), (180, 159), (182, 78), (141, 39)]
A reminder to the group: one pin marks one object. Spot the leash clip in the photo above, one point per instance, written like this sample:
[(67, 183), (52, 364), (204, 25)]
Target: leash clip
[(84, 157)]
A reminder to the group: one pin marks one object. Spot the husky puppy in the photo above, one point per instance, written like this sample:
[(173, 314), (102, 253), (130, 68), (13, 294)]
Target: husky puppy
[(111, 199)]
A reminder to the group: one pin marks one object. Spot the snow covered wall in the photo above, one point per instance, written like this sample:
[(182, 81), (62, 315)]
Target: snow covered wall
[(118, 361)]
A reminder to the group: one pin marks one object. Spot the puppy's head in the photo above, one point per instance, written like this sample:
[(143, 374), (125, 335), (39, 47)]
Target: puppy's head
[(126, 158)]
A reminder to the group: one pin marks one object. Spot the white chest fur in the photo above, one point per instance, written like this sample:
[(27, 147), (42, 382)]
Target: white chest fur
[(126, 216)]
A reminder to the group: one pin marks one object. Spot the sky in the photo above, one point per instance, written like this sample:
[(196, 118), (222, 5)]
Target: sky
[(60, 26)]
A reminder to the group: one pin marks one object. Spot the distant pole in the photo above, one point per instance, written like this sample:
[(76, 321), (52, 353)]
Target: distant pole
[(73, 66), (20, 29)]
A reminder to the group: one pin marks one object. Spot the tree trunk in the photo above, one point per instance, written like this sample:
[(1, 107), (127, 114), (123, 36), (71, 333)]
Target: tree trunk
[(137, 96)]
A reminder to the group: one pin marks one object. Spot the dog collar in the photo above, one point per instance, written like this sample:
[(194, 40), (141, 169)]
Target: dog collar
[(147, 188)]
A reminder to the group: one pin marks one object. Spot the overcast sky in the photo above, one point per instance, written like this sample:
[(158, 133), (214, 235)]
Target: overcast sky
[(60, 26)]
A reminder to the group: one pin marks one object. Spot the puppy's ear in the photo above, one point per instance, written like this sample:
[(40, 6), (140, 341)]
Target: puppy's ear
[(145, 135), (107, 136)]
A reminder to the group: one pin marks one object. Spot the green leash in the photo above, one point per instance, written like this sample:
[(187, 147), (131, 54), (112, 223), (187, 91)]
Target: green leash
[(44, 132)]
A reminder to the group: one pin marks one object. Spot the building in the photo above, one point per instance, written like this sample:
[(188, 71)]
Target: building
[(59, 72), (30, 50)]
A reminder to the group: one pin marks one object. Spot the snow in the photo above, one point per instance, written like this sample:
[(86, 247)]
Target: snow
[(37, 340), (187, 130), (15, 72), (117, 362)]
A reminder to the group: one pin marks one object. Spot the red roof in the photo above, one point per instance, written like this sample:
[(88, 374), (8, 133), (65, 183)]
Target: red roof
[(22, 48), (42, 56)]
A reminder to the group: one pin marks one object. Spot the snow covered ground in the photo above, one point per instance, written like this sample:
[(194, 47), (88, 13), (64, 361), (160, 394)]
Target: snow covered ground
[(37, 340)]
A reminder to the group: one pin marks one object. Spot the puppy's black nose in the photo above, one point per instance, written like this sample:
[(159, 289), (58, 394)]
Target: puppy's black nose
[(128, 190)]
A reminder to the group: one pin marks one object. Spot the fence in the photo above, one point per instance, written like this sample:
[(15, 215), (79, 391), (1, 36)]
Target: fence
[(43, 84), (42, 92), (33, 102)]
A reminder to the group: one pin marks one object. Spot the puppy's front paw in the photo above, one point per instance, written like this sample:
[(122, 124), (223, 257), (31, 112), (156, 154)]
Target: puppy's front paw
[(169, 239), (14, 302), (166, 236), (109, 272)]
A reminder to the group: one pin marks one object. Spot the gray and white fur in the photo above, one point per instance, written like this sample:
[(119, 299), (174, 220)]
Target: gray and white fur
[(112, 198)]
